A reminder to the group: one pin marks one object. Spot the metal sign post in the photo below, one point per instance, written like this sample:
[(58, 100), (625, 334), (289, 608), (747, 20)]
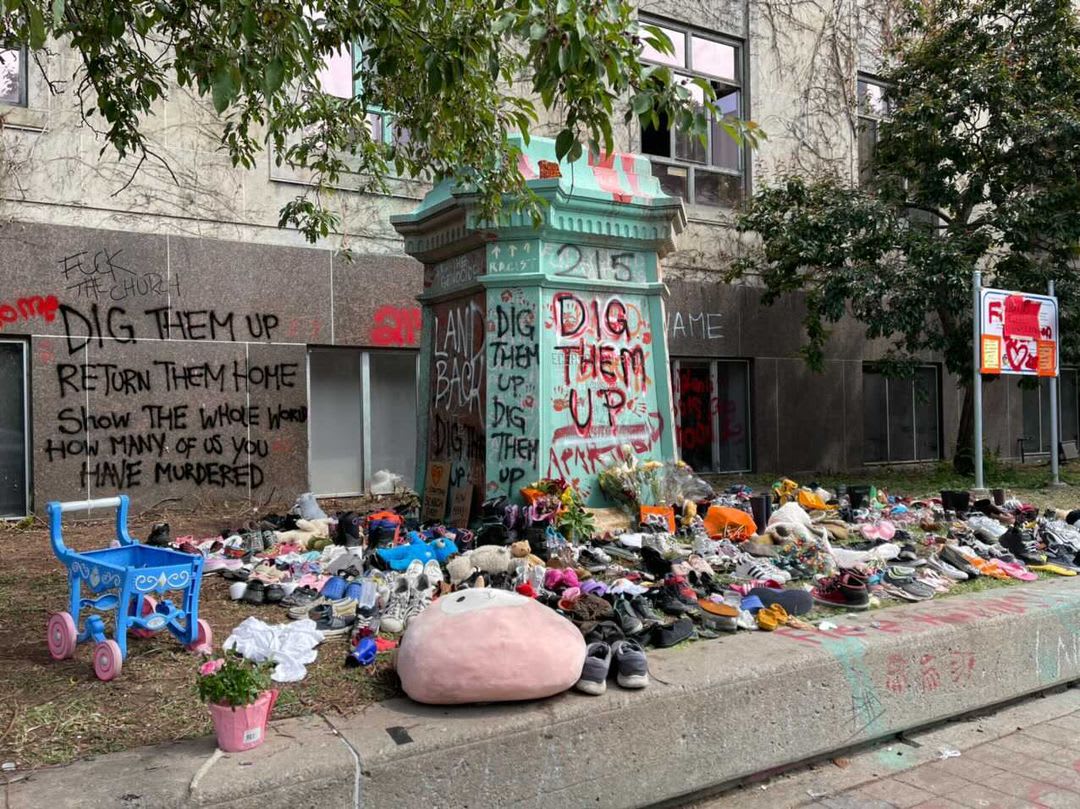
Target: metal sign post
[(1015, 333), (976, 287), (1055, 477)]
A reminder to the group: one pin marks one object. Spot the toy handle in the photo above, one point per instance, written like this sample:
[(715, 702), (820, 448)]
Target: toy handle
[(86, 505), (56, 510)]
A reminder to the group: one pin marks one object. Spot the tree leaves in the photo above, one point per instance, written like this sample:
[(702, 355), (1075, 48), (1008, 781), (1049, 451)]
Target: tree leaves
[(445, 82)]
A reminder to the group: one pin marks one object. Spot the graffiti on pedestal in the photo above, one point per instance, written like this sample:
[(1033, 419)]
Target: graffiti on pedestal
[(457, 405), (513, 369), (603, 396)]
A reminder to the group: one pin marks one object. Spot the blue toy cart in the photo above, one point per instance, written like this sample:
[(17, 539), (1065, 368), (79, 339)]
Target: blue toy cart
[(122, 579)]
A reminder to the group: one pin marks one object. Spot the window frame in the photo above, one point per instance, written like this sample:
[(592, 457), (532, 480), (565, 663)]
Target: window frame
[(739, 85), (363, 360), (863, 117), (1039, 450), (28, 436), (875, 368), (713, 363), (23, 77)]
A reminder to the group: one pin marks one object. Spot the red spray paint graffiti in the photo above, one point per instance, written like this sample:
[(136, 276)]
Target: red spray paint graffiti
[(29, 307), (395, 326)]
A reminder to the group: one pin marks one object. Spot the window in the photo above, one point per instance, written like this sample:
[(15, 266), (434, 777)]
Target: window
[(872, 109), (336, 79), (901, 417), (362, 417), (14, 455), (13, 76), (712, 414), (1036, 407), (711, 173)]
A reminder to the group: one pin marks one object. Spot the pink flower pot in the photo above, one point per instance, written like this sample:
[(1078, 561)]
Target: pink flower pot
[(243, 727)]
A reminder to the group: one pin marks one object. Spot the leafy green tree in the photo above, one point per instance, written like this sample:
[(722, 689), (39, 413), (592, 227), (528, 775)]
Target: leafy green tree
[(977, 166), (458, 76)]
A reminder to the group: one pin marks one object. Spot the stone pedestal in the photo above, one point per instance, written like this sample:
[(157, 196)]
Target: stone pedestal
[(543, 350)]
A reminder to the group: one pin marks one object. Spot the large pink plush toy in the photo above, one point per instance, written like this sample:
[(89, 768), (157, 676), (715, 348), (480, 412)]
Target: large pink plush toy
[(487, 645)]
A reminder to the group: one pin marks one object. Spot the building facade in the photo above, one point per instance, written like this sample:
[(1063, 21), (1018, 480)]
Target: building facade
[(164, 337)]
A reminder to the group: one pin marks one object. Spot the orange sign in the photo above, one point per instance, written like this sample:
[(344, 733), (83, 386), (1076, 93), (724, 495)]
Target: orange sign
[(1047, 359), (991, 354)]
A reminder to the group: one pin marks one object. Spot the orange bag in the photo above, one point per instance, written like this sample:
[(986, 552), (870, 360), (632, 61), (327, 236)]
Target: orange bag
[(729, 523), (667, 512)]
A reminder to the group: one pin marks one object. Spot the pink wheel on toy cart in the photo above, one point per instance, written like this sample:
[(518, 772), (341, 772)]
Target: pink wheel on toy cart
[(204, 640), (107, 660), (148, 606), (61, 636)]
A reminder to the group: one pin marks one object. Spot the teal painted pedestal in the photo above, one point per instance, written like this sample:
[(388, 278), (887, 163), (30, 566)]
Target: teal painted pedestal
[(543, 351)]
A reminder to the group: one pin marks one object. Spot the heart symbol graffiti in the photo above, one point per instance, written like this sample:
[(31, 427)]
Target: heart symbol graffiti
[(1019, 355), (436, 474)]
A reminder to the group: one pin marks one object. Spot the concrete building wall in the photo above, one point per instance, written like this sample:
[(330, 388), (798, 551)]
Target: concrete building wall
[(180, 283)]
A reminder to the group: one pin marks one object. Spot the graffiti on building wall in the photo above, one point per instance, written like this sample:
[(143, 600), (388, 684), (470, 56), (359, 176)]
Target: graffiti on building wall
[(603, 396), (32, 306), (160, 421), (457, 405), (105, 274), (700, 413), (395, 326), (694, 325), (513, 368)]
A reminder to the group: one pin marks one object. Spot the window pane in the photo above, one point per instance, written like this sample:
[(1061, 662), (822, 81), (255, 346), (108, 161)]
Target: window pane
[(867, 146), (656, 141), (375, 126), (12, 79), (1070, 419), (714, 188), (875, 440), (12, 431), (678, 40), (901, 420), (689, 147), (673, 179), (733, 416), (393, 414), (927, 442), (725, 151), (335, 428), (1030, 399), (400, 136), (872, 99), (713, 58), (695, 420), (1044, 410), (336, 75)]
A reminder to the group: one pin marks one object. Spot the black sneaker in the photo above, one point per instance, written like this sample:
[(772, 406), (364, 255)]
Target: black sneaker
[(273, 594), (255, 592), (645, 611), (628, 617), (1019, 543), (668, 599), (654, 561), (159, 535), (329, 623)]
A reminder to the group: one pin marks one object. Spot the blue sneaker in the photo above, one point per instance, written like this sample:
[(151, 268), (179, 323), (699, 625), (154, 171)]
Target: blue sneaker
[(334, 588)]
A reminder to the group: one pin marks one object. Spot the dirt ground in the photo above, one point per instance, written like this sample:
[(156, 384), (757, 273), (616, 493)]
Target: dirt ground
[(53, 712)]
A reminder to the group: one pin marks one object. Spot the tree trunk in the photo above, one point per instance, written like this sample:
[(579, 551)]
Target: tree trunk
[(964, 457)]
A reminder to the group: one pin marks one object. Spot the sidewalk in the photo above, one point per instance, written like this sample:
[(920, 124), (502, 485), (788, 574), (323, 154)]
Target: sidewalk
[(715, 713), (1024, 756)]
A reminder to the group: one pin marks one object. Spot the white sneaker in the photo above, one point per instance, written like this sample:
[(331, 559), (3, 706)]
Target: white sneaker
[(419, 599), (397, 608), (415, 570), (752, 568), (945, 568), (433, 572)]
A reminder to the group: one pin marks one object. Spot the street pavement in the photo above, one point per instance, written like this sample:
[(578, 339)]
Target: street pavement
[(1025, 755)]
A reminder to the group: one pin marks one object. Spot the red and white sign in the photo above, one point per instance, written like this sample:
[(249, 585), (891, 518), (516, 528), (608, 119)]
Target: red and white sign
[(1019, 333)]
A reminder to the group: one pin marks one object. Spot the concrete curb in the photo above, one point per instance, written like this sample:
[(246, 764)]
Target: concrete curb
[(716, 712)]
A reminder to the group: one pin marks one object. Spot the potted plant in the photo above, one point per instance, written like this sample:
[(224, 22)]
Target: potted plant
[(240, 699)]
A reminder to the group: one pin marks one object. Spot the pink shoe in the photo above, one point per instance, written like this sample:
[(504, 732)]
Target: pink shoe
[(1017, 571)]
